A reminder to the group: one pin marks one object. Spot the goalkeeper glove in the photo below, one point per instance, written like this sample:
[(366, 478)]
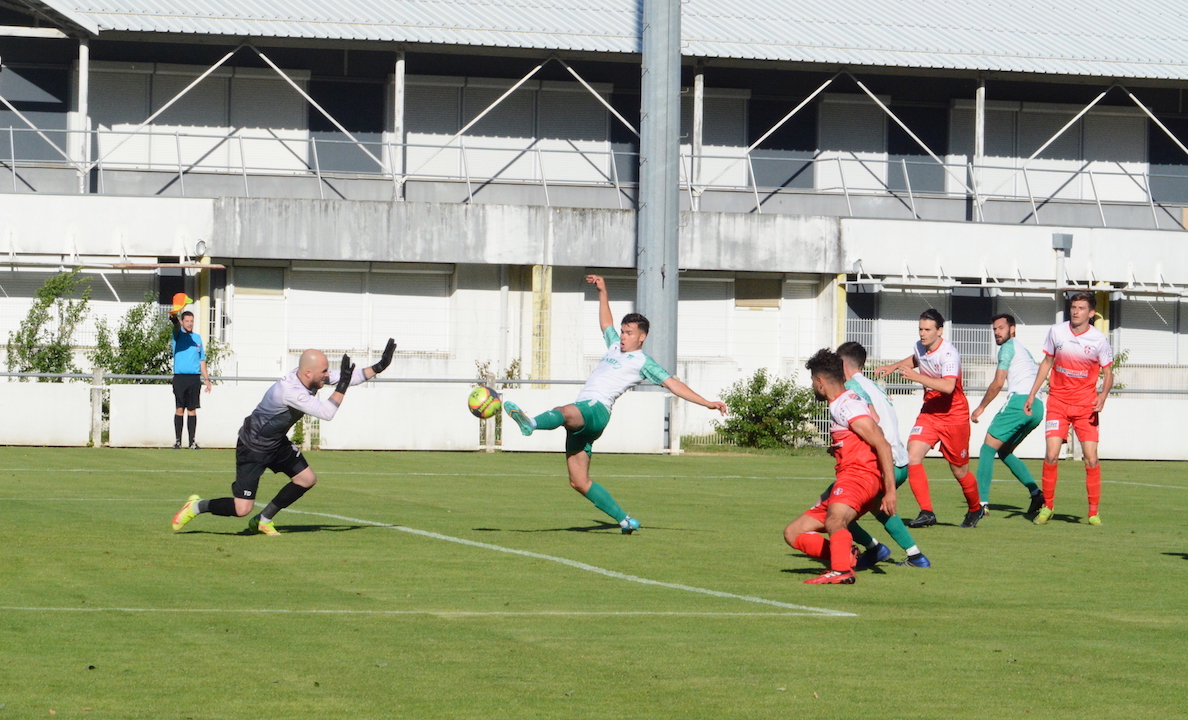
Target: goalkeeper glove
[(386, 360), (345, 374)]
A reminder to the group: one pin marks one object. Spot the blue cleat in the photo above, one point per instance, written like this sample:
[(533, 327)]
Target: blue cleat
[(873, 556), (515, 413), (629, 525), (917, 560)]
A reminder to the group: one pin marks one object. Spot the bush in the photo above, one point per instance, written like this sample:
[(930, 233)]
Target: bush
[(768, 412), (44, 343), (142, 346)]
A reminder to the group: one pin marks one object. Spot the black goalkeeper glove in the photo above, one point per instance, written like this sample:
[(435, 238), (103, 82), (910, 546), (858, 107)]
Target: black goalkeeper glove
[(344, 377), (386, 360)]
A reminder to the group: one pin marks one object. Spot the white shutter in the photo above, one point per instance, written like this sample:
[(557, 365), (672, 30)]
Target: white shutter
[(1148, 331), (1034, 315), (852, 126), (999, 150), (798, 321), (1051, 172), (201, 111), (431, 118), (412, 308), (622, 301), (502, 137), (724, 138), (327, 311), (703, 317), (572, 121), (1112, 141), (264, 108), (899, 320), (120, 101), (258, 335)]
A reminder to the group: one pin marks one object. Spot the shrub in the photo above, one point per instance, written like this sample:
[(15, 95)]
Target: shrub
[(768, 412), (142, 343), (44, 342)]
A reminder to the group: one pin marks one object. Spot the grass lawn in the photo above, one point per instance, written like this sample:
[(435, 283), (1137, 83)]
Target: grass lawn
[(106, 613)]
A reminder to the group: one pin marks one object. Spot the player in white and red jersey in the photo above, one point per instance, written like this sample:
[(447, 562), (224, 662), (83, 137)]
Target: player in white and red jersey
[(865, 474), (1076, 354), (944, 418)]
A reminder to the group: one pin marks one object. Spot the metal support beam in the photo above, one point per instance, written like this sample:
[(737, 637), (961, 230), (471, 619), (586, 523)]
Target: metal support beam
[(398, 157), (979, 130), (84, 117), (657, 240), (698, 128)]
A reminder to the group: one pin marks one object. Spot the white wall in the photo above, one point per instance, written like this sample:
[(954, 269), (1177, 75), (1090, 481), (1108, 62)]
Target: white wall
[(402, 416), (45, 414), (636, 425), (142, 415)]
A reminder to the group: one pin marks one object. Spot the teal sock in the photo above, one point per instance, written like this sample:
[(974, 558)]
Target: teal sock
[(603, 500), (550, 420), (985, 472), (1020, 471), (897, 530), (861, 537), (901, 475)]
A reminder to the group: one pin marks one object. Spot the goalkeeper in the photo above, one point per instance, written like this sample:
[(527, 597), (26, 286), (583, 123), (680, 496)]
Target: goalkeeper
[(264, 442)]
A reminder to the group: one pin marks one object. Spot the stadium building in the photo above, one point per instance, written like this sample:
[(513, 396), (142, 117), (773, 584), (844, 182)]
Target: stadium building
[(333, 174)]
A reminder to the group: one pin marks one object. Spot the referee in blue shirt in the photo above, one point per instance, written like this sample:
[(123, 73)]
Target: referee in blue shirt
[(189, 373)]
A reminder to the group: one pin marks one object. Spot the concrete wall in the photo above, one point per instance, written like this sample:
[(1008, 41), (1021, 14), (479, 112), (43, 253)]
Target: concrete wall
[(142, 415), (404, 416), (45, 414)]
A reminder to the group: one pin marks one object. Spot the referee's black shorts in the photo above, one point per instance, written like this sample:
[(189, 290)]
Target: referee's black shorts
[(186, 389), (250, 465)]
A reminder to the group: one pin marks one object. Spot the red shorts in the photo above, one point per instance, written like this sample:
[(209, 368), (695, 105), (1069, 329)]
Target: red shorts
[(952, 436), (861, 491), (1060, 415)]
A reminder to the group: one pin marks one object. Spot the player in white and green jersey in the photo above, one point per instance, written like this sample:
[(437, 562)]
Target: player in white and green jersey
[(624, 365), (1016, 370)]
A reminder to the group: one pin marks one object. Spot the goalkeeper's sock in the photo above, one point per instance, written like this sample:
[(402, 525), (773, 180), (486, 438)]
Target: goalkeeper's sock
[(1019, 469), (224, 507), (813, 544), (985, 471), (550, 420), (1048, 477), (840, 556), (919, 482), (288, 495), (603, 501)]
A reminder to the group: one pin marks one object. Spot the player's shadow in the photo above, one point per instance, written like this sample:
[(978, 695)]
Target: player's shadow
[(875, 570), (284, 530), (1183, 556), (1010, 511), (598, 526)]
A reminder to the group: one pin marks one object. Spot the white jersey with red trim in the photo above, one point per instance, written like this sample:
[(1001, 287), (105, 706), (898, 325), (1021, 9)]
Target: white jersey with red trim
[(942, 362), (850, 450), (1076, 363)]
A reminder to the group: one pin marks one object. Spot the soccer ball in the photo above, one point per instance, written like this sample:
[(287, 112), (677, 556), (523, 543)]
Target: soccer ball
[(484, 402)]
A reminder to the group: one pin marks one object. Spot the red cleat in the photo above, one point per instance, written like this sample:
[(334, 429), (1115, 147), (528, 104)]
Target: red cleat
[(833, 577)]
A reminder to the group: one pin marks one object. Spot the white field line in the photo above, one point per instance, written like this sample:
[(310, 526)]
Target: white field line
[(580, 565), (437, 613)]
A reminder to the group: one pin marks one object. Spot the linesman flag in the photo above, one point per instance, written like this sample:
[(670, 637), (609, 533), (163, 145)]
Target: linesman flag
[(180, 300)]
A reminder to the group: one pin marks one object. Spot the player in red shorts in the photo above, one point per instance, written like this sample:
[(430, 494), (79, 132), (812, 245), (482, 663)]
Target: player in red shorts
[(1075, 353), (944, 418), (865, 474)]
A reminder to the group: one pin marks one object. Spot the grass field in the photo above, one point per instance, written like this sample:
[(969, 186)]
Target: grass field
[(105, 613)]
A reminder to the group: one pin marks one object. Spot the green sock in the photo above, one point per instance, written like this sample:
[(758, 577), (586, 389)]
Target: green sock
[(861, 537), (550, 420), (901, 475), (603, 500), (896, 529), (1019, 470), (985, 472)]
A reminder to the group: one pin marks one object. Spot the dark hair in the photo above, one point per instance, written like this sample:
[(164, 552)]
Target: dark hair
[(1088, 297), (183, 315), (827, 363), (1010, 319), (638, 320), (854, 352), (934, 315)]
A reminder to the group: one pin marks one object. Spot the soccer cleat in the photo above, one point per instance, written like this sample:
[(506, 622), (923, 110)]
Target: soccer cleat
[(187, 513), (256, 526), (1045, 514), (972, 518), (924, 519), (1037, 502), (1094, 519), (194, 446), (177, 445), (833, 577), (873, 556), (629, 525), (917, 560), (521, 418)]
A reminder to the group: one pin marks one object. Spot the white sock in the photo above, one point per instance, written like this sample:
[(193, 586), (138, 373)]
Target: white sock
[(913, 550), (872, 544)]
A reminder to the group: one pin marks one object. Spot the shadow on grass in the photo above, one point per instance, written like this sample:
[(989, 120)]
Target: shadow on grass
[(284, 530), (1009, 512), (1182, 556), (598, 526)]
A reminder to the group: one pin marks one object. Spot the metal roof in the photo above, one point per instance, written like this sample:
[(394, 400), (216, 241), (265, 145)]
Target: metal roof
[(1105, 38)]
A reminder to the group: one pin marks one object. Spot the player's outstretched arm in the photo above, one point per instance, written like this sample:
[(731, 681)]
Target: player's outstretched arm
[(384, 361), (1106, 385), (1041, 375), (867, 429), (684, 392), (1000, 377), (907, 363), (605, 319)]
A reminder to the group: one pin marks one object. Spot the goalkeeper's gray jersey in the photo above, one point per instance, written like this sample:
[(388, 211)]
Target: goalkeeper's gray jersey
[(286, 402)]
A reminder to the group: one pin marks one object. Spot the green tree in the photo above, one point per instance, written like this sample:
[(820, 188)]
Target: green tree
[(142, 344), (44, 343), (768, 412)]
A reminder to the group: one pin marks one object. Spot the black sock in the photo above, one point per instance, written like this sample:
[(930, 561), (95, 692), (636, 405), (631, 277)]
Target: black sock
[(288, 495), (191, 426), (224, 507), (177, 426)]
